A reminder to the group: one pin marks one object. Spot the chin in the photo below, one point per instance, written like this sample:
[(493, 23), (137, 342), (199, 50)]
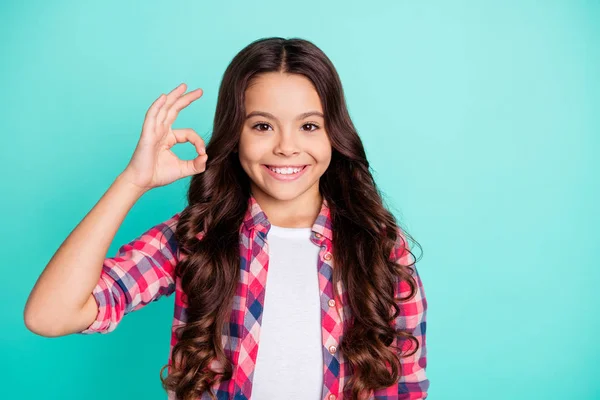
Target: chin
[(284, 195), (285, 192)]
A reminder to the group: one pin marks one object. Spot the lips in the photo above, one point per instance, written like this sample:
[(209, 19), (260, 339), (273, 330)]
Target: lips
[(286, 166), (286, 177)]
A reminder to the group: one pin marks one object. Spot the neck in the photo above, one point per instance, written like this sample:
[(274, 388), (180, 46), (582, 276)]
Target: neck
[(300, 212)]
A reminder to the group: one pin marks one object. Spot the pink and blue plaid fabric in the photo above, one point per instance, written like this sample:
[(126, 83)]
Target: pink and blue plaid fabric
[(143, 271)]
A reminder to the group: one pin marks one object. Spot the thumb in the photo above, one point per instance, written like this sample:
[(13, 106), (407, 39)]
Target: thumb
[(193, 167)]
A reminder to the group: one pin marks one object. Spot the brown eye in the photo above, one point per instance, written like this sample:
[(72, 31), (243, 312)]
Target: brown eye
[(310, 124), (260, 124)]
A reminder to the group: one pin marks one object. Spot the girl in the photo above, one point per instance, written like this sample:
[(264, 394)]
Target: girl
[(282, 189)]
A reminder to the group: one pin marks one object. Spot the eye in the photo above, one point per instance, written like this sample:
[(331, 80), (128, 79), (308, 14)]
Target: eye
[(315, 125), (260, 124), (263, 124)]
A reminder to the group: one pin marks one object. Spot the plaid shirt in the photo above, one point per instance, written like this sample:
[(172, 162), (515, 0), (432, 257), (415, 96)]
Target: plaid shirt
[(143, 271)]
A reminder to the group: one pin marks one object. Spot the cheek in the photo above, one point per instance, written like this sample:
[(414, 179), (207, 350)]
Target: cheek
[(250, 151), (322, 151)]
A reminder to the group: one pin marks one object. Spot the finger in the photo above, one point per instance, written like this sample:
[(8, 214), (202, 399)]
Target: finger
[(171, 97), (198, 164), (150, 119), (180, 104), (192, 167), (189, 135)]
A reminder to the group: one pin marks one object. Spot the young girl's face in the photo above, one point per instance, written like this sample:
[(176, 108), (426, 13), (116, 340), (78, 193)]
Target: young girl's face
[(284, 128)]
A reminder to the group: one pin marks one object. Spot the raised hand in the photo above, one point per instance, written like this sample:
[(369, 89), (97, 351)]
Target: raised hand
[(153, 164)]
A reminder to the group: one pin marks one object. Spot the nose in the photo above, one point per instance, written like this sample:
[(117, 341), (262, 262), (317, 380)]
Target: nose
[(286, 144)]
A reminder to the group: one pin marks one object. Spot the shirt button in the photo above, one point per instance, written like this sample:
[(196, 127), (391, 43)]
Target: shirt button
[(332, 397), (318, 235), (332, 349), (331, 302), (328, 256)]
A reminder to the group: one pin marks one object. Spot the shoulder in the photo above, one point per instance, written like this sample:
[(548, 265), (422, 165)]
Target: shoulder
[(401, 249), (161, 238), (402, 254), (167, 227)]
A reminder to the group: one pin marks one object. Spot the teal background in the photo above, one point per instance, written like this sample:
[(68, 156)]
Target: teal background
[(480, 119)]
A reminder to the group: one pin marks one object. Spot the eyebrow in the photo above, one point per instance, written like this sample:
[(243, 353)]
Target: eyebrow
[(269, 115)]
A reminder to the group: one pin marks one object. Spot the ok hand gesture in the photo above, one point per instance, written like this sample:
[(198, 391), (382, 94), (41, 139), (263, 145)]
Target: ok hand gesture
[(153, 164)]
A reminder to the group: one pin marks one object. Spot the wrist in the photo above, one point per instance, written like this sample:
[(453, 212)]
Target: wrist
[(124, 181)]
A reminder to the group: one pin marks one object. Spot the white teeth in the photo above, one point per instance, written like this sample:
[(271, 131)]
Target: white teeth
[(285, 171)]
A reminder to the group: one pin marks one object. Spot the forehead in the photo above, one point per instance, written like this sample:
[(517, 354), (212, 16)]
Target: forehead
[(282, 94)]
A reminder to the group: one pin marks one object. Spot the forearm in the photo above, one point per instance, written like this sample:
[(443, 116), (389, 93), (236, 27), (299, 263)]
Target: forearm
[(66, 283)]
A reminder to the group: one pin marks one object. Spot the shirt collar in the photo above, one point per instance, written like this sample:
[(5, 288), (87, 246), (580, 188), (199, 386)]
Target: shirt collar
[(255, 218)]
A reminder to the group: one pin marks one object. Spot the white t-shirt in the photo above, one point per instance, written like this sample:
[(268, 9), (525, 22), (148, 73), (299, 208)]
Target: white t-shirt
[(289, 362)]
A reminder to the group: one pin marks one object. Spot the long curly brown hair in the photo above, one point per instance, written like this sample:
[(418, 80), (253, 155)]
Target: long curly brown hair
[(362, 227)]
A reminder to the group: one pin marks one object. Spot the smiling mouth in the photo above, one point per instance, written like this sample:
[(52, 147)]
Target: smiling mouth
[(286, 173), (272, 168)]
